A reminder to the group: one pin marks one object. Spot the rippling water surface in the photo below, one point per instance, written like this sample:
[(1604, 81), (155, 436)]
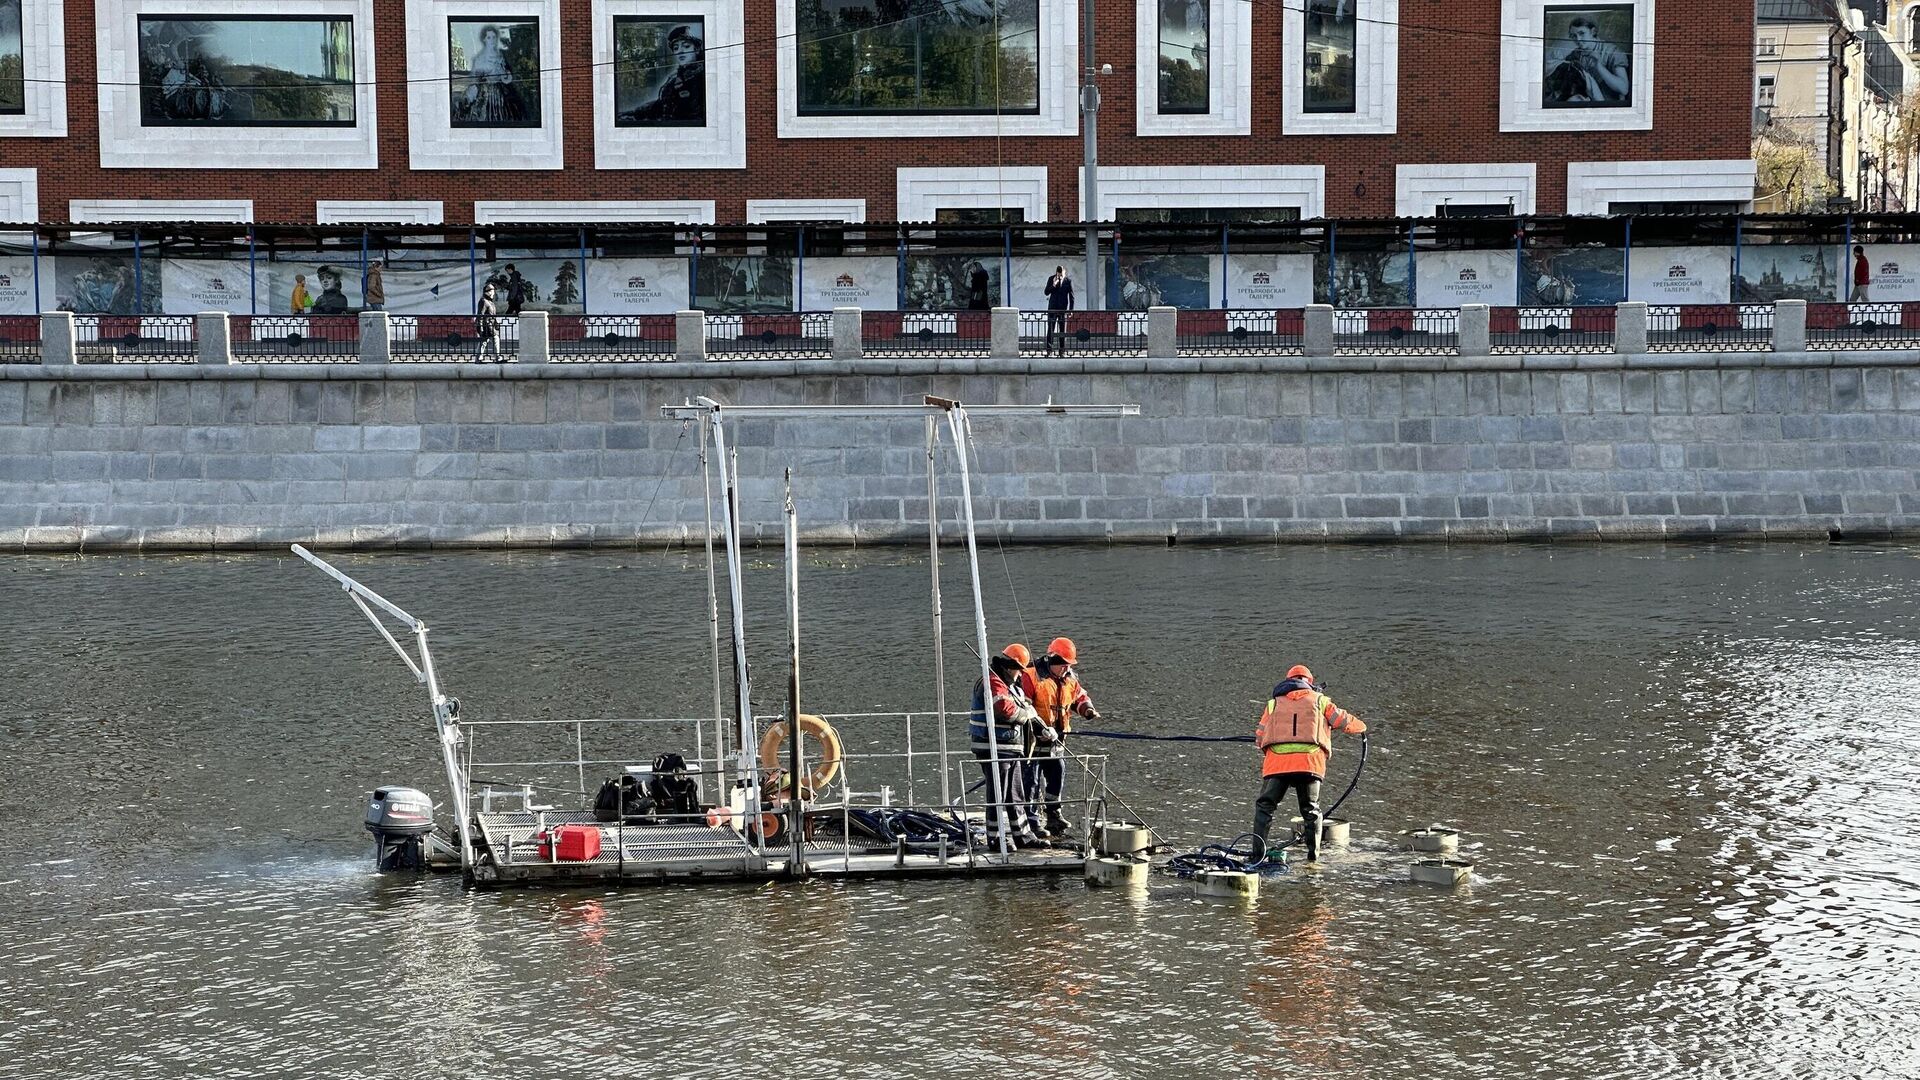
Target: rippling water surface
[(1687, 774)]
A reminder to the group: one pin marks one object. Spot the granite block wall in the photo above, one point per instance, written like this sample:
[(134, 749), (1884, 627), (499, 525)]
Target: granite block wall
[(1255, 449)]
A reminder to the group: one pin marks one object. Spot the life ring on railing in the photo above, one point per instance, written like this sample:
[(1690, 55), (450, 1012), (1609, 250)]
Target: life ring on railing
[(821, 732)]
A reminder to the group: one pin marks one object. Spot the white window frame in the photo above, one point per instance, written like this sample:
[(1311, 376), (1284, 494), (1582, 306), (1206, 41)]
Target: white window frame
[(432, 140), (1059, 90), (20, 196), (722, 142), (134, 211), (678, 212), (1523, 54), (1594, 186), (1209, 186), (766, 211), (350, 212), (920, 193), (1421, 190), (126, 144), (43, 64), (1229, 73), (1376, 97)]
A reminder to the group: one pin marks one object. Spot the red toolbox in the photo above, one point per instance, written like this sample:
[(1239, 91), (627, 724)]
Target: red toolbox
[(569, 843)]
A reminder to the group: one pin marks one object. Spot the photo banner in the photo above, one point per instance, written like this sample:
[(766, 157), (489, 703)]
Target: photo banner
[(533, 284), (869, 282), (320, 287), (1893, 272), (1448, 279), (1269, 281), (1182, 281), (107, 284), (949, 282), (1680, 275), (426, 286), (16, 284), (636, 286), (191, 286), (1769, 272), (1573, 277), (1027, 289)]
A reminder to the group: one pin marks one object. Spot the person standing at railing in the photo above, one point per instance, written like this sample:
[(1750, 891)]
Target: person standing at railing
[(1058, 697), (1059, 293), (374, 289), (996, 742), (486, 326)]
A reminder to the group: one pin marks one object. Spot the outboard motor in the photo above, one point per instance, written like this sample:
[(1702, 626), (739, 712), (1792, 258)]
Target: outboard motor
[(400, 819)]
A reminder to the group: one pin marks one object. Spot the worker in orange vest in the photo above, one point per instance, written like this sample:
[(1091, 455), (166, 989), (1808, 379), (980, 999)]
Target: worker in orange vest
[(1058, 697), (1021, 655), (1295, 736)]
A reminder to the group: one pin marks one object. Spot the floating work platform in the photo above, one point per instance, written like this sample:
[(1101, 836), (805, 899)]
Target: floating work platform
[(690, 852)]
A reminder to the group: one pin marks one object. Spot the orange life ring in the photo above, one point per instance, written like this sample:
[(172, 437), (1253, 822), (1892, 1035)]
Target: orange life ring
[(821, 732)]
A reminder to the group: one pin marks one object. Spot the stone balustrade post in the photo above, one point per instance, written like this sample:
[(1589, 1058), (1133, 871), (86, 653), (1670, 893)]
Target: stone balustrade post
[(1789, 326), (57, 345), (1316, 338), (1163, 331), (535, 344), (376, 337), (1005, 344), (690, 336), (214, 338), (1630, 327), (1476, 330), (846, 334)]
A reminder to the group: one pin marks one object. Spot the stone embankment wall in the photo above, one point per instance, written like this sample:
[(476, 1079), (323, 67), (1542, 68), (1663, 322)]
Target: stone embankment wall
[(1256, 448)]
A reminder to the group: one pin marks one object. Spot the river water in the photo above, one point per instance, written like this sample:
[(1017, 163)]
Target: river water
[(1686, 773)]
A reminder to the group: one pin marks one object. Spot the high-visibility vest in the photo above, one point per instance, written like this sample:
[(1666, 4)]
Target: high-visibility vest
[(1295, 725), (1054, 700)]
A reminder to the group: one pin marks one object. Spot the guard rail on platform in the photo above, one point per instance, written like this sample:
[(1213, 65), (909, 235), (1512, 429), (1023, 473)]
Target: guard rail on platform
[(1002, 333)]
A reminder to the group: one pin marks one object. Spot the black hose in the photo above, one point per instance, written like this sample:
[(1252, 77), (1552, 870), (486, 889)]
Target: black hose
[(1359, 767)]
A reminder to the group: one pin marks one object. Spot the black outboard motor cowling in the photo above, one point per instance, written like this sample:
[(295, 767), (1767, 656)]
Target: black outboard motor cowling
[(400, 819)]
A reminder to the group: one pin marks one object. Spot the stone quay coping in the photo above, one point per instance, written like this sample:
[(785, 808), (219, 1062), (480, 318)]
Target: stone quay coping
[(963, 365)]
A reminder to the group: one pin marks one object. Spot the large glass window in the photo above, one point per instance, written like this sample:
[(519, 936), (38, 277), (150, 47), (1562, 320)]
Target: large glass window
[(495, 68), (979, 215), (1589, 58), (918, 56), (13, 72), (1332, 30), (240, 70), (1183, 56), (659, 71), (1207, 215)]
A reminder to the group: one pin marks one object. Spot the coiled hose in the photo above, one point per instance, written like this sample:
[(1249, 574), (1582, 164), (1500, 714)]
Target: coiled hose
[(1256, 857)]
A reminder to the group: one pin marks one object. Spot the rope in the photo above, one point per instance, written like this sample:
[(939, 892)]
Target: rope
[(1077, 732)]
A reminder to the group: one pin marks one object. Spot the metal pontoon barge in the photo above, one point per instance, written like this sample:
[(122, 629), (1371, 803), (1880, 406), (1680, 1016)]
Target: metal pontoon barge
[(877, 801)]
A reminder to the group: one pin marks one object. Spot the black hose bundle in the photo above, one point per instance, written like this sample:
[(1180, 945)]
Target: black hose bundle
[(1253, 857)]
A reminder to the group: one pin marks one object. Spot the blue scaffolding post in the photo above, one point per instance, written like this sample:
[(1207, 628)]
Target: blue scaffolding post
[(1519, 258), (583, 272), (1006, 266), (253, 275), (1846, 262), (473, 273), (139, 282), (900, 269), (1626, 262), (693, 273), (1737, 234), (1333, 255), (798, 299), (363, 266), (1225, 252), (38, 304), (1413, 283)]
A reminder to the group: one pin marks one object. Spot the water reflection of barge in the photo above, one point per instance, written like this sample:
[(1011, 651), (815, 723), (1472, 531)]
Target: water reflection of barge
[(884, 795)]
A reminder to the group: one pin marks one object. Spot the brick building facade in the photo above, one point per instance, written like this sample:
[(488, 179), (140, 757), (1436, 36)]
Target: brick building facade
[(1449, 114)]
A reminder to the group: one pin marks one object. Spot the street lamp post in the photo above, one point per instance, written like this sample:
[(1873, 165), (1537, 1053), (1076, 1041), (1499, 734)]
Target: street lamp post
[(1092, 299)]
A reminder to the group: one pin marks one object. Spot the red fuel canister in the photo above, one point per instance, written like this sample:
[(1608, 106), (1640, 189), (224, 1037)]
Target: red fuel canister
[(570, 843)]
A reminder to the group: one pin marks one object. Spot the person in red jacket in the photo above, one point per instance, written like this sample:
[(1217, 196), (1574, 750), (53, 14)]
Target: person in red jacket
[(1295, 736)]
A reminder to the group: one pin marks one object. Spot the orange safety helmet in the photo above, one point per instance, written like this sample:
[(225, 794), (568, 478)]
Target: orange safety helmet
[(1300, 671), (1063, 648), (1018, 654)]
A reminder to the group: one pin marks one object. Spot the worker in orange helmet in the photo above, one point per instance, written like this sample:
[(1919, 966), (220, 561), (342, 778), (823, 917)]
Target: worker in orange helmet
[(1057, 697), (1295, 736), (1021, 655)]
